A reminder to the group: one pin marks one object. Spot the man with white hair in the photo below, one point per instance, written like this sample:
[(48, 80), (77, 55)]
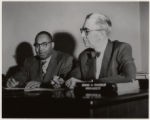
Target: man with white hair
[(104, 60)]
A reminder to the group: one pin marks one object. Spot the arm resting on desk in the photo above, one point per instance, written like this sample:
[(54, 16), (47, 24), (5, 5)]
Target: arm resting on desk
[(126, 66), (127, 75)]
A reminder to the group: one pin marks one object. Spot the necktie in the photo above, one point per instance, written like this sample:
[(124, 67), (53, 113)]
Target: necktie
[(43, 68), (95, 54), (98, 64)]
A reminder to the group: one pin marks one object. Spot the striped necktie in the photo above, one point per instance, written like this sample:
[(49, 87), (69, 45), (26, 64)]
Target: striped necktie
[(43, 68)]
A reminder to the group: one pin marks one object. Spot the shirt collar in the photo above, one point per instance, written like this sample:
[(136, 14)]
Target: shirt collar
[(47, 59)]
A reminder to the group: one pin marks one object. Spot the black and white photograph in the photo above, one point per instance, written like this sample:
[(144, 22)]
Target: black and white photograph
[(75, 59)]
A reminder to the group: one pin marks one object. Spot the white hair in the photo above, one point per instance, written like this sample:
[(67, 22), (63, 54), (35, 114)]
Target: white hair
[(102, 20)]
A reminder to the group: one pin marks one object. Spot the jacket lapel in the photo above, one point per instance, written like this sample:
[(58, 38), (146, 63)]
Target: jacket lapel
[(88, 66), (106, 59), (36, 70), (91, 68), (51, 67), (84, 66)]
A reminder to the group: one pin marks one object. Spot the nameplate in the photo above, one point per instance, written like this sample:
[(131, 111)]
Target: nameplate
[(91, 84)]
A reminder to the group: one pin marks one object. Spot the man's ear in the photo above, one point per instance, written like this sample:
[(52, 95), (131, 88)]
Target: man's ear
[(53, 44)]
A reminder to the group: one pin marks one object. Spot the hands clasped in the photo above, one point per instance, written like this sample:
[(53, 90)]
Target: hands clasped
[(32, 85), (57, 82)]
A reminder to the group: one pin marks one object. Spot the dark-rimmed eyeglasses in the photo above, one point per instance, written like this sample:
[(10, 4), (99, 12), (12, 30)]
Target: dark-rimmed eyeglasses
[(44, 44), (86, 30)]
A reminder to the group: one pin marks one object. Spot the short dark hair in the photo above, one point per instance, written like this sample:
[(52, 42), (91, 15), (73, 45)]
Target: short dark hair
[(44, 32)]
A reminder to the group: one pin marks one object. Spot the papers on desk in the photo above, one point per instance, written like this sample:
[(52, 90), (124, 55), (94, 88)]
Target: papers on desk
[(142, 75), (13, 88), (32, 90), (42, 89), (128, 88)]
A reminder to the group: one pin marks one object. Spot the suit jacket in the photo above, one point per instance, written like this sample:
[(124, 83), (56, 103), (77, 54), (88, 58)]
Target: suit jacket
[(117, 64), (60, 65)]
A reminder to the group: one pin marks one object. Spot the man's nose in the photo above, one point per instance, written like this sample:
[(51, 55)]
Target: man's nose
[(85, 41), (84, 37), (83, 34), (40, 47)]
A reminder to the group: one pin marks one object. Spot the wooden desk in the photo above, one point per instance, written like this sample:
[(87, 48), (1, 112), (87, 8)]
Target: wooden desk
[(65, 104)]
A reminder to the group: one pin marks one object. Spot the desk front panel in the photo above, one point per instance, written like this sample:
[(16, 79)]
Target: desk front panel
[(67, 105)]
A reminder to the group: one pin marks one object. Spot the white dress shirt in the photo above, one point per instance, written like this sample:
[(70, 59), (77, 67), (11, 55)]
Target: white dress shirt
[(99, 59), (44, 67)]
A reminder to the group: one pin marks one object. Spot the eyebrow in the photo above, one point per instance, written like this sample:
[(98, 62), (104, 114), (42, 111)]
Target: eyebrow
[(85, 28), (40, 43)]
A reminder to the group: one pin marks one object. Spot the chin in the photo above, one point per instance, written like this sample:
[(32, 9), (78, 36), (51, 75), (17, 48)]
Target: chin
[(42, 57)]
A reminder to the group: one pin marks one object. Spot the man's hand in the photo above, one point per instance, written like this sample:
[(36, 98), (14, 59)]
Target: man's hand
[(32, 85), (70, 83), (57, 82), (11, 83)]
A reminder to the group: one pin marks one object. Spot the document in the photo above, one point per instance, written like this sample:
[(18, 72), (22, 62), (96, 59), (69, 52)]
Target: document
[(42, 89), (128, 88), (13, 88), (33, 89)]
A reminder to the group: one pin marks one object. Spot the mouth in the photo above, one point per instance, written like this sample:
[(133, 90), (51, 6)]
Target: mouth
[(41, 54)]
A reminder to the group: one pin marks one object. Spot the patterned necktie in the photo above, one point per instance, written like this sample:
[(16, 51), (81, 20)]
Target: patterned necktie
[(43, 68), (95, 54)]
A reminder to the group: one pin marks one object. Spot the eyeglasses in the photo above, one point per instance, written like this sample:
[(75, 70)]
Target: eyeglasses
[(86, 30), (44, 44)]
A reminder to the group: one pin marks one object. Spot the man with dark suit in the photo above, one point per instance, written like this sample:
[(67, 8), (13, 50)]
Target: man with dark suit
[(104, 60), (48, 68)]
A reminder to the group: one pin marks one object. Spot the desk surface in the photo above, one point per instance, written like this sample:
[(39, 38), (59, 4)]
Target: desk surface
[(70, 94), (66, 103)]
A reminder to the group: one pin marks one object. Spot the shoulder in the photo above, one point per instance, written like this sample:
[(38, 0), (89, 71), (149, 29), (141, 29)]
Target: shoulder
[(119, 44), (123, 50)]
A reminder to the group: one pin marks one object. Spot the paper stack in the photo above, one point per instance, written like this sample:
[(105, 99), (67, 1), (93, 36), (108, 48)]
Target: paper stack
[(128, 88), (142, 75)]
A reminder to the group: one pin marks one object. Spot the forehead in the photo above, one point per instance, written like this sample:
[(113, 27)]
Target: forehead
[(42, 38)]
